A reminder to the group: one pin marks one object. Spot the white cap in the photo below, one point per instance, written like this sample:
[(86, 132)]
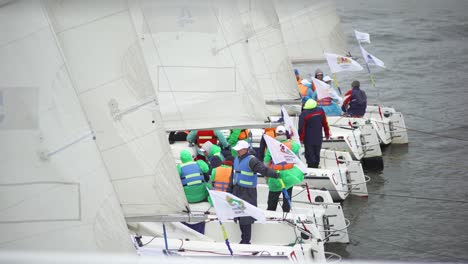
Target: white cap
[(280, 130), (305, 82), (241, 144), (207, 146), (327, 78)]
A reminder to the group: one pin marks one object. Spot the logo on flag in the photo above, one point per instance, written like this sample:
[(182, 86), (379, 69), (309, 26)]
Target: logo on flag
[(371, 59), (236, 203), (338, 63), (228, 206), (341, 60)]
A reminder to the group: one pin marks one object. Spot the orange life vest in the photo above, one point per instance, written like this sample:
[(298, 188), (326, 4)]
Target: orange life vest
[(302, 88), (204, 136), (283, 165), (244, 134), (270, 131), (324, 101), (222, 177)]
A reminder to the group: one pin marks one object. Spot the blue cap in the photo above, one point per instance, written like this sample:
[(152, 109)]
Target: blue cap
[(296, 72)]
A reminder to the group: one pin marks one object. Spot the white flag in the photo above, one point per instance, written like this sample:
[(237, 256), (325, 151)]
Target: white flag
[(362, 36), (338, 63), (280, 153), (323, 89), (371, 59), (228, 206), (288, 123)]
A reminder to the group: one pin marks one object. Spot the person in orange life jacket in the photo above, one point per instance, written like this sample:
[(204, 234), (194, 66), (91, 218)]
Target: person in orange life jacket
[(212, 154), (290, 174), (270, 131), (243, 183), (328, 104), (220, 177), (311, 122), (306, 89), (198, 137), (355, 102), (192, 176)]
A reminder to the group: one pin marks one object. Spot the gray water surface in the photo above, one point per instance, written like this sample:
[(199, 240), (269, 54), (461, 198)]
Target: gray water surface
[(417, 209)]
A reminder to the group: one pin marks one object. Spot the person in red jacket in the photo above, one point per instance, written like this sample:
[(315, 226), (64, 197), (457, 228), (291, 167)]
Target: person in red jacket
[(311, 122)]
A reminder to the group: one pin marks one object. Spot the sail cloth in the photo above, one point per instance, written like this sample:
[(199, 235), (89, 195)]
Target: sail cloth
[(338, 63), (100, 45), (55, 193), (272, 67), (228, 206), (199, 63), (310, 27)]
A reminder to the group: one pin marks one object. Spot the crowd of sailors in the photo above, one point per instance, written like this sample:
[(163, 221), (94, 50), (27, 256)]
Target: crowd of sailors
[(232, 165)]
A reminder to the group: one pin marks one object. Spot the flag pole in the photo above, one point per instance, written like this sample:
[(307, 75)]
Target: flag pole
[(367, 66), (226, 240)]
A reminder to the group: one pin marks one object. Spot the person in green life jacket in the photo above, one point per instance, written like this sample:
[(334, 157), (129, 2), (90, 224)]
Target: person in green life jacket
[(192, 175), (212, 154), (290, 174), (235, 136)]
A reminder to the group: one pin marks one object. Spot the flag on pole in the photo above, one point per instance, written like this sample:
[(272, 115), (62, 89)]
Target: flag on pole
[(229, 206), (280, 153), (371, 59), (338, 63), (288, 123), (322, 88), (362, 36)]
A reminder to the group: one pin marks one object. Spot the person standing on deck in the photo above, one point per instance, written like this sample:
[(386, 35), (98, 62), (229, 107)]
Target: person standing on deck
[(355, 102), (311, 122), (290, 174), (243, 183)]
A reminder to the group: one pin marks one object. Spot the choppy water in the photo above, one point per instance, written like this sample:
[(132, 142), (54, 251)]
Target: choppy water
[(417, 208)]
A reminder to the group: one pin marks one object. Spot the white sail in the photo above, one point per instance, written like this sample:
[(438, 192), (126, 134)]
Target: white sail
[(273, 69), (101, 50), (310, 28), (55, 193), (199, 62)]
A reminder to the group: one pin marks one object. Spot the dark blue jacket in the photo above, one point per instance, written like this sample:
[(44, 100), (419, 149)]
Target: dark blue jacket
[(311, 123), (357, 101)]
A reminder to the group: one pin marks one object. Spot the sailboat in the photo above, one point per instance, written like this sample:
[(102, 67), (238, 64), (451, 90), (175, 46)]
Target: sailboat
[(324, 34), (65, 131), (182, 43)]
